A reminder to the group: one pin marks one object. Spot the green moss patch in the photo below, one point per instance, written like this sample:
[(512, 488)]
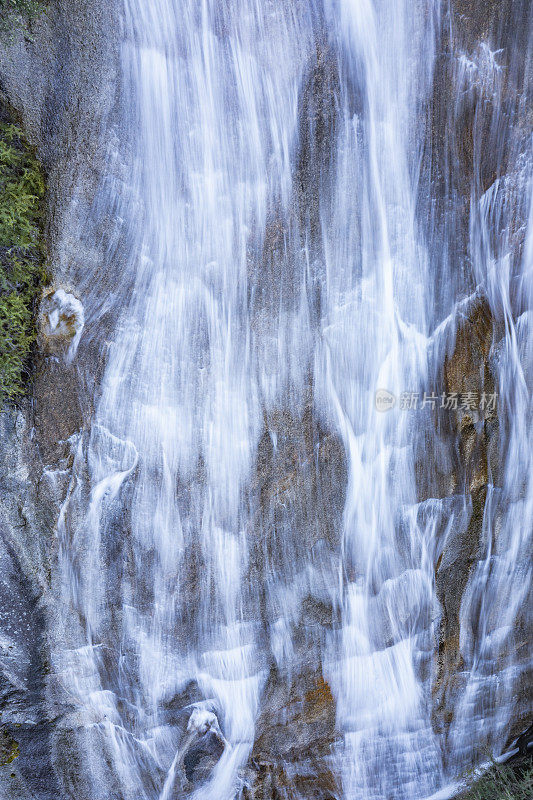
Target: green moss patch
[(22, 271), (14, 13), (9, 749)]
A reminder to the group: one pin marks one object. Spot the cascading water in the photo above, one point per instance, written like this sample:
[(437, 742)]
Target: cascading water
[(290, 261)]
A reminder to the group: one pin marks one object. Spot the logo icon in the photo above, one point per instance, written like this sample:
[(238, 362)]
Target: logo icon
[(384, 400)]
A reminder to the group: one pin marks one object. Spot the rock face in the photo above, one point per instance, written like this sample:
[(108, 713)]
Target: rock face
[(204, 747), (469, 367), (466, 369), (26, 550), (294, 740), (301, 478), (61, 322), (478, 138), (300, 495), (61, 82), (202, 756)]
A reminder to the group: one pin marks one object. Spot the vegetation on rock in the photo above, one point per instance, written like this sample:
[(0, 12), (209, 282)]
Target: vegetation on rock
[(15, 12), (9, 749), (22, 271), (512, 781)]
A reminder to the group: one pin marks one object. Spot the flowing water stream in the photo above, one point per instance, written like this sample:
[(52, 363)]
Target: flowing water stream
[(292, 255)]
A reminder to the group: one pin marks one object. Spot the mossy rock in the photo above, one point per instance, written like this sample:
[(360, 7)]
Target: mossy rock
[(9, 749), (22, 273), (17, 13)]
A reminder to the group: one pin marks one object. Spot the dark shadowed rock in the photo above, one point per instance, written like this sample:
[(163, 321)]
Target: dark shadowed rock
[(202, 756), (25, 751)]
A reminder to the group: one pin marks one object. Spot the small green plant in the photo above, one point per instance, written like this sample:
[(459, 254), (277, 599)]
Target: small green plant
[(512, 781), (9, 748), (22, 271), (14, 13)]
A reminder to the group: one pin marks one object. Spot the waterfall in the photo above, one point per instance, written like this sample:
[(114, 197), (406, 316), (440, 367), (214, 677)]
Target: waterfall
[(295, 262)]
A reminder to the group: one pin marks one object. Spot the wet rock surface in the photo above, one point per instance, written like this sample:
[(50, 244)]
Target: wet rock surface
[(301, 475), (469, 367), (61, 321), (25, 752), (62, 83), (57, 78), (466, 369), (202, 756), (294, 740), (300, 491), (29, 504)]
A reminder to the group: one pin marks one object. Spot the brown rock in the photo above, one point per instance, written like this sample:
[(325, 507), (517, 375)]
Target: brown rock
[(296, 731), (300, 485)]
